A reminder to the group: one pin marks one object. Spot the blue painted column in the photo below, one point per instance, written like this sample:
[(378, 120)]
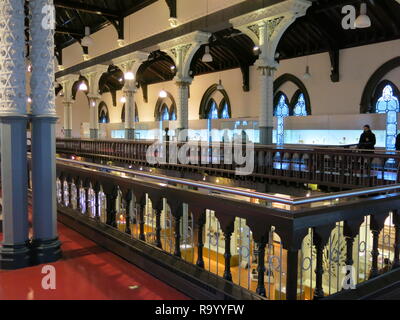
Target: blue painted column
[(14, 250), (45, 244)]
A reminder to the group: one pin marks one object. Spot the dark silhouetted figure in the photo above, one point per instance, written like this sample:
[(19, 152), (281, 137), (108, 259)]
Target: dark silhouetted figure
[(367, 139)]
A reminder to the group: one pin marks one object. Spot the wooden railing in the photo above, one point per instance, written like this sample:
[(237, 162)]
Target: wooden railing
[(335, 167), (243, 244)]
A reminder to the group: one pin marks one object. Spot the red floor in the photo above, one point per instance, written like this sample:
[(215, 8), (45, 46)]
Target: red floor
[(86, 271)]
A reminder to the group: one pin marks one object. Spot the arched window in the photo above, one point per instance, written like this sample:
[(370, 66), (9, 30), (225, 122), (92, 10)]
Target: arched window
[(281, 111), (172, 115), (389, 104), (103, 113), (165, 109), (215, 104), (225, 113), (212, 110), (299, 109), (300, 103), (164, 113)]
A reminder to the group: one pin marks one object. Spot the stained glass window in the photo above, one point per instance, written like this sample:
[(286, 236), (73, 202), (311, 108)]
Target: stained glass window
[(164, 113), (389, 104), (225, 112), (213, 113), (281, 111), (173, 116), (300, 107)]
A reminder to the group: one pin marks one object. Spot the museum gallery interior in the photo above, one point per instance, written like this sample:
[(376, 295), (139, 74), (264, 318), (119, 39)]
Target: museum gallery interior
[(200, 149)]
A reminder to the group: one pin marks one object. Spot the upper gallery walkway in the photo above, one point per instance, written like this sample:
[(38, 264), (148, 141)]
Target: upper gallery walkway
[(338, 167)]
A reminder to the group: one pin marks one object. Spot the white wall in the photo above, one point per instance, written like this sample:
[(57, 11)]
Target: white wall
[(334, 105)]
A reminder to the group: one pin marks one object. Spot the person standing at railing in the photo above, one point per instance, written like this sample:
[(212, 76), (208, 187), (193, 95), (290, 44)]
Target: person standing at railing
[(367, 139), (398, 142)]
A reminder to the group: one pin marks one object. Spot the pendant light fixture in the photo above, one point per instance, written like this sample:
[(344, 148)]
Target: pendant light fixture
[(219, 85), (163, 94), (363, 20), (123, 99), (207, 57), (87, 40), (307, 74)]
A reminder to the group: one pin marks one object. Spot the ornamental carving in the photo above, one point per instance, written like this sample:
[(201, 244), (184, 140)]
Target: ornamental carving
[(42, 56), (12, 63)]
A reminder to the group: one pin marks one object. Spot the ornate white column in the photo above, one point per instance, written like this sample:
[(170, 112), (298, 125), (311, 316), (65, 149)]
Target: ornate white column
[(266, 27), (14, 250), (93, 75), (129, 64), (45, 244), (182, 50), (67, 83)]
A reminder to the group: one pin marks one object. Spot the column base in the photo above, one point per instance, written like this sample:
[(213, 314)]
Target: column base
[(94, 133), (67, 133), (14, 256), (130, 134), (45, 251), (265, 135)]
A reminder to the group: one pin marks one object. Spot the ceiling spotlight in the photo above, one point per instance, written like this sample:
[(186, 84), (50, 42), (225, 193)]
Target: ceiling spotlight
[(87, 40), (83, 86), (163, 94), (207, 57), (363, 21), (256, 49), (123, 99), (129, 75), (219, 85), (307, 74)]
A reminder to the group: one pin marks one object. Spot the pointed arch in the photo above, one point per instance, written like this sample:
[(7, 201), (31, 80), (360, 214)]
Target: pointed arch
[(205, 102), (288, 77), (103, 116), (370, 89), (169, 102)]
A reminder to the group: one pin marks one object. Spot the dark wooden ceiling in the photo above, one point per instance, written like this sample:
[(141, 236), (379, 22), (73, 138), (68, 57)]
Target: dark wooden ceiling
[(319, 31)]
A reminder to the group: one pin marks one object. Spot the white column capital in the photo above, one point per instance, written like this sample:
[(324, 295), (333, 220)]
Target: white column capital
[(67, 82), (42, 56), (267, 25), (182, 50), (93, 75), (131, 62), (12, 64)]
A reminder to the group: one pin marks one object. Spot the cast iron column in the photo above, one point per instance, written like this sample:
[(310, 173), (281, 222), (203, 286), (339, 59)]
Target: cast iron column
[(14, 251), (45, 243)]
